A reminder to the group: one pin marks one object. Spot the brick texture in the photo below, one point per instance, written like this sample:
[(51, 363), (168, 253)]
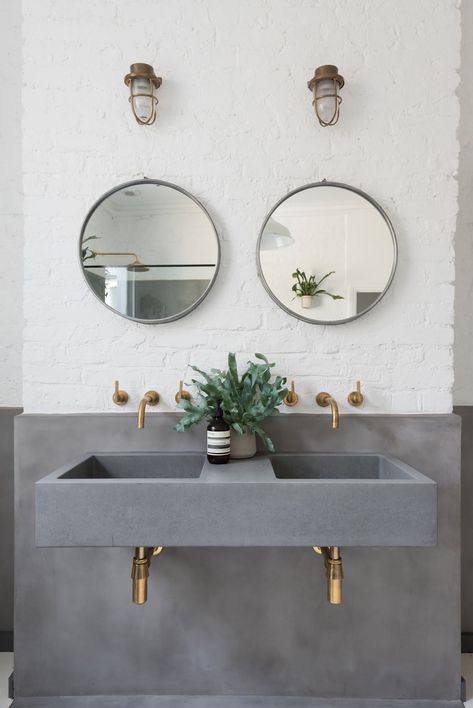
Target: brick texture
[(11, 227), (236, 128)]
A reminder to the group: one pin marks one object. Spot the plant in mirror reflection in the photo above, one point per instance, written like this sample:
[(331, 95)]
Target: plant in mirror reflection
[(87, 253), (309, 286), (245, 400)]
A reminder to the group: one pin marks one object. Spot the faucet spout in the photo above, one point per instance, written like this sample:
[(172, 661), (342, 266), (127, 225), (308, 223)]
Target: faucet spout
[(151, 398), (324, 399), (141, 413)]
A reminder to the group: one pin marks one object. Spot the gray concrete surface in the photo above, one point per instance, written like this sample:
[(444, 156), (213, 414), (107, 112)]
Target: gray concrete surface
[(6, 524), (466, 413), (221, 702), (239, 621), (162, 499)]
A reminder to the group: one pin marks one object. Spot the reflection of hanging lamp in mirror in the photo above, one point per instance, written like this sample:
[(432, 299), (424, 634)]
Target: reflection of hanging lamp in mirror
[(136, 265), (143, 84), (325, 86), (275, 235)]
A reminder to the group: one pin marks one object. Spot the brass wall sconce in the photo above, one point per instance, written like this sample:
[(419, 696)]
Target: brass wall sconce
[(325, 86), (143, 84)]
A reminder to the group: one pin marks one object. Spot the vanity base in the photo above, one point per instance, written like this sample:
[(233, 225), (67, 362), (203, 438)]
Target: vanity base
[(238, 621), (224, 702)]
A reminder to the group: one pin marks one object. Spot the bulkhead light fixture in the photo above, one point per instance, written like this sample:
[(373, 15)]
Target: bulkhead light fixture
[(325, 86), (143, 84)]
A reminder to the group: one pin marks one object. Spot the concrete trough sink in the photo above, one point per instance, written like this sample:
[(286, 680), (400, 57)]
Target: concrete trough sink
[(178, 499)]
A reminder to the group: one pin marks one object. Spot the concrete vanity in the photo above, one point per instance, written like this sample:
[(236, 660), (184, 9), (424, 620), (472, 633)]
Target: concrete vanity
[(238, 626), (179, 499)]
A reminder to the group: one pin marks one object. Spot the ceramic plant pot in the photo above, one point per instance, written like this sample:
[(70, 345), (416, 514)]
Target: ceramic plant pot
[(306, 301), (242, 446)]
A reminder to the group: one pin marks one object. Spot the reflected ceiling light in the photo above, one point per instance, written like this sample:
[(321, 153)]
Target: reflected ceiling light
[(275, 235), (325, 86), (143, 84)]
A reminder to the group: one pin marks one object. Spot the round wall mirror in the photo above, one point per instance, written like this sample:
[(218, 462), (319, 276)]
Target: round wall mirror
[(149, 251), (327, 253)]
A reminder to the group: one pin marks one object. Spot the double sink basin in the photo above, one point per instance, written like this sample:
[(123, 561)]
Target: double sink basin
[(179, 499)]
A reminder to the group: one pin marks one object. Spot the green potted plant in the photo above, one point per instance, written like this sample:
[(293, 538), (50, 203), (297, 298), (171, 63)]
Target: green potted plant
[(308, 287), (245, 402)]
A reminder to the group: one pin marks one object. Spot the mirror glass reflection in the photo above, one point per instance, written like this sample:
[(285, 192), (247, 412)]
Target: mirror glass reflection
[(149, 251), (327, 253)]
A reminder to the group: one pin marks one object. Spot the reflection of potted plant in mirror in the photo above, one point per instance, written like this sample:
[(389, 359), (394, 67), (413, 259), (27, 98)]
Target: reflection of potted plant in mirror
[(307, 287), (245, 402), (87, 253)]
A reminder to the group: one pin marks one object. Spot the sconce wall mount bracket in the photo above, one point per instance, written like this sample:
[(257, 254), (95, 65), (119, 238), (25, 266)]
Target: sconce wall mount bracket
[(327, 71)]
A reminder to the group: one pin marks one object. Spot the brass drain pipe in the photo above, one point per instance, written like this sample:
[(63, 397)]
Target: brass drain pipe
[(333, 571), (140, 572)]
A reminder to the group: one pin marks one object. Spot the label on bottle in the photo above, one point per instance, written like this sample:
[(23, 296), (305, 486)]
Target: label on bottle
[(218, 442)]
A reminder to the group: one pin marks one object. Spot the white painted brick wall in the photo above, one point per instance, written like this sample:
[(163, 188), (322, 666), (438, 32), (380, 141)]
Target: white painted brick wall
[(11, 236), (236, 129)]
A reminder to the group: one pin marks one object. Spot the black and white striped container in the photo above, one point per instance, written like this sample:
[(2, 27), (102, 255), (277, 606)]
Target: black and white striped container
[(218, 442), (218, 439)]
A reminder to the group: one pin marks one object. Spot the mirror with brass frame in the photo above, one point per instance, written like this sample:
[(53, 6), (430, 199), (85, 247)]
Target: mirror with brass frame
[(149, 251), (327, 253)]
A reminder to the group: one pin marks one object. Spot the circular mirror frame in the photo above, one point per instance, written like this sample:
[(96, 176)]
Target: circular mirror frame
[(341, 185), (161, 183)]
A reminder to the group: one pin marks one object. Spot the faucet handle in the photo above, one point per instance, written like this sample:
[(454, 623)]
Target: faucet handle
[(119, 397), (291, 398), (356, 398), (323, 399), (182, 394), (151, 398)]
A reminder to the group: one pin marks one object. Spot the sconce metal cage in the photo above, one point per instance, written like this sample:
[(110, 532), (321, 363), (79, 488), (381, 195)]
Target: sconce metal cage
[(327, 72), (143, 71)]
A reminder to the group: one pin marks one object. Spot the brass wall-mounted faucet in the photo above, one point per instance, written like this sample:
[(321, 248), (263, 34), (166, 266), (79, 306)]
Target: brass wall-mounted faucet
[(140, 572), (333, 571), (182, 394), (324, 399), (356, 398), (291, 398), (151, 398), (119, 397)]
